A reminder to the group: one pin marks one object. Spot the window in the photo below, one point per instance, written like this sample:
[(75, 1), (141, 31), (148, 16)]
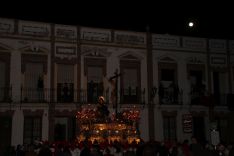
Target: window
[(32, 129), (169, 128), (95, 83), (197, 87), (95, 70), (169, 92), (32, 73), (130, 81), (65, 83), (167, 74)]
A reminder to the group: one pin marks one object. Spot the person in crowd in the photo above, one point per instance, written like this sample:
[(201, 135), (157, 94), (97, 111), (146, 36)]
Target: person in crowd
[(30, 151), (95, 150), (208, 150), (66, 151), (220, 150), (196, 147), (45, 150), (85, 151), (185, 148), (108, 152), (231, 150), (19, 150)]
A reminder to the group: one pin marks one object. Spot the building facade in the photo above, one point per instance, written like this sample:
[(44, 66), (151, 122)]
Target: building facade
[(182, 85)]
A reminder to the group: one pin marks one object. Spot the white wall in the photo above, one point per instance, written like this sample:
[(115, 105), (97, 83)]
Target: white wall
[(17, 128), (158, 119), (15, 75), (144, 124), (45, 125)]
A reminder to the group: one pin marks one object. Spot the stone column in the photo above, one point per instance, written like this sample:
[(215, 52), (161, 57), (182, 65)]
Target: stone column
[(150, 103), (183, 81), (15, 75)]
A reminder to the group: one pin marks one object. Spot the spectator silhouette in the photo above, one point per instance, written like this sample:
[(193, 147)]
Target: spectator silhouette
[(40, 87)]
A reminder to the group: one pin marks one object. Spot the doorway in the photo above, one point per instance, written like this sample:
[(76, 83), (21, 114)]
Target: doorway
[(65, 128), (199, 128), (5, 134)]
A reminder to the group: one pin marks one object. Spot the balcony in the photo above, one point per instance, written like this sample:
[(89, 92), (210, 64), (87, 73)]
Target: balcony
[(132, 96), (211, 100), (197, 97), (29, 95), (5, 94), (82, 96), (170, 96), (32, 95)]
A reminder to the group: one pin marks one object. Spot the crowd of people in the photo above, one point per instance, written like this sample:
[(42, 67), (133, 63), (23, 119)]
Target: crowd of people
[(150, 148)]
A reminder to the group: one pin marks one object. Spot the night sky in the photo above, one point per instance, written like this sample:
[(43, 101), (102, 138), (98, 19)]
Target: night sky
[(211, 20)]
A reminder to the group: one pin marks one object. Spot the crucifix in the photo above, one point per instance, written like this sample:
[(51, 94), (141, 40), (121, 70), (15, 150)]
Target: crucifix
[(114, 93)]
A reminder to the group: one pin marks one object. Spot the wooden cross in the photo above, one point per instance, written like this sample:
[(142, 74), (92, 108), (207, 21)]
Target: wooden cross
[(115, 90)]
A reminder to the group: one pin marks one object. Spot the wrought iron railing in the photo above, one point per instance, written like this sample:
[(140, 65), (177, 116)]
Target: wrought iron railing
[(61, 96), (82, 96), (132, 96), (197, 98), (208, 100), (170, 96), (35, 95)]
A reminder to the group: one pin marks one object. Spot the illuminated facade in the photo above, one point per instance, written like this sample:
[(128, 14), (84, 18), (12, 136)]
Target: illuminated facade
[(48, 71)]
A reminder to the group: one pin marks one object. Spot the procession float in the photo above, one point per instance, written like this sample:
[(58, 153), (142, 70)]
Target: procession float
[(96, 123)]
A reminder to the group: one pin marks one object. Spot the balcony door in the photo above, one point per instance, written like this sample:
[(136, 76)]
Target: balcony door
[(130, 81), (65, 128), (95, 72), (65, 83), (94, 83), (33, 71), (168, 86), (199, 128), (5, 135)]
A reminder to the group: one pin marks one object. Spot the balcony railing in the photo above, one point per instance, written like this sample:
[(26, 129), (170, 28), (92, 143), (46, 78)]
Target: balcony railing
[(220, 99), (91, 96), (49, 95), (198, 98), (209, 100), (5, 94), (130, 96), (170, 96), (36, 95)]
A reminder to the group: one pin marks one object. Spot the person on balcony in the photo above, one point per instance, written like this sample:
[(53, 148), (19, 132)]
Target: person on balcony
[(40, 88), (161, 93), (65, 92)]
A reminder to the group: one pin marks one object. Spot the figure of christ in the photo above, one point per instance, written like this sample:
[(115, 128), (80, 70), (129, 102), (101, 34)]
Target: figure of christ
[(102, 109)]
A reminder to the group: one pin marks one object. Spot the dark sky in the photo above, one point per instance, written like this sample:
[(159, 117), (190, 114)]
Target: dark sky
[(211, 20)]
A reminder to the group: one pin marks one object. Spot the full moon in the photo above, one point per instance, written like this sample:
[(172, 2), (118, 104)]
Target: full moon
[(191, 24)]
